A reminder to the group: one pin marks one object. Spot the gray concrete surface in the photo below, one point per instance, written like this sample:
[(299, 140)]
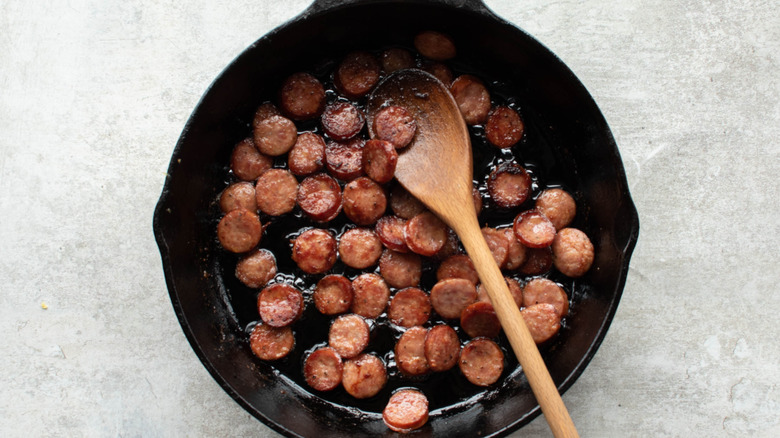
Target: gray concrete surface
[(94, 94)]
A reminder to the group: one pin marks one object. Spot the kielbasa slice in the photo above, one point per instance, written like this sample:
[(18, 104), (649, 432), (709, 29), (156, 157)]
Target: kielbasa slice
[(333, 294), (438, 69), (277, 190), (357, 74), (434, 45), (509, 185), (537, 261), (238, 195), (360, 248), (472, 98), (449, 297), (442, 347), (400, 269), (481, 362), (239, 231), (246, 162), (558, 206), (314, 251), (302, 96), (406, 411), (364, 376), (542, 321), (371, 295), (379, 160), (396, 59), (263, 112), (533, 229), (364, 201), (396, 125), (279, 305), (410, 352), (572, 252), (479, 319), (322, 369), (425, 234), (514, 289), (271, 343), (275, 135), (515, 256), (497, 242), (404, 204), (457, 266), (391, 232), (542, 290), (451, 246), (344, 160), (349, 335), (409, 307), (342, 120), (307, 155), (256, 269), (319, 196), (504, 127)]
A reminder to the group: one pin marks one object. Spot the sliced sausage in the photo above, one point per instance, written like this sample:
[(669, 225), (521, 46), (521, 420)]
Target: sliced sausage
[(396, 125), (360, 248), (391, 232), (314, 251), (449, 297), (457, 266), (442, 347), (279, 305), (572, 252), (364, 201), (450, 248), (396, 59), (514, 289), (542, 290), (504, 127), (533, 229), (364, 376), (537, 261), (371, 295), (434, 45), (406, 411), (277, 190), (404, 204), (344, 160), (379, 160), (558, 206), (257, 268), (246, 162), (275, 135), (481, 362), (477, 200), (479, 319), (307, 155), (333, 294), (438, 69), (271, 343), (542, 321), (265, 111), (472, 98), (319, 197), (410, 352), (238, 195), (302, 96), (509, 185), (322, 369), (349, 335), (342, 120), (409, 307), (357, 74), (497, 242), (400, 269), (425, 234), (515, 256), (239, 231)]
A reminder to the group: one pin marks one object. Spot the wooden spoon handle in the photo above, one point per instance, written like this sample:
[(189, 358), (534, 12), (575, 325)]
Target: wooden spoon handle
[(514, 326)]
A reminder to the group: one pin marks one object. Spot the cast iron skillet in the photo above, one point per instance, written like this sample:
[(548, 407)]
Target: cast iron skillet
[(573, 148)]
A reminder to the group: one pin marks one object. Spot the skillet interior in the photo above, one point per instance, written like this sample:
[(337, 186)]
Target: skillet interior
[(575, 149)]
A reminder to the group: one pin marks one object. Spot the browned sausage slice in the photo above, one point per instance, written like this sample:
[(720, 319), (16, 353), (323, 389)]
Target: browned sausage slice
[(509, 185), (322, 369), (542, 290), (307, 155), (442, 347), (409, 307), (479, 319), (410, 352), (481, 361), (344, 160), (348, 335), (457, 266), (425, 234), (396, 125), (391, 232), (572, 252), (537, 261), (558, 206), (533, 229), (371, 295), (379, 160), (239, 231), (396, 59), (246, 162), (302, 96), (450, 248), (319, 196), (364, 376), (498, 244), (357, 74), (314, 251), (265, 111), (364, 201), (360, 248), (275, 135), (406, 411), (504, 127), (238, 195), (438, 69), (514, 289), (542, 321), (276, 192), (271, 343), (279, 305), (434, 45), (449, 297), (472, 98), (400, 269), (333, 294), (404, 204), (257, 268), (342, 120), (515, 256)]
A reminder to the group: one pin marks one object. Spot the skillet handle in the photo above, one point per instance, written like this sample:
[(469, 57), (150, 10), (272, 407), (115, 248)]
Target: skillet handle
[(318, 6)]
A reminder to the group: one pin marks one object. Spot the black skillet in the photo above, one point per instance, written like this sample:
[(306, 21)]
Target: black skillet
[(568, 144)]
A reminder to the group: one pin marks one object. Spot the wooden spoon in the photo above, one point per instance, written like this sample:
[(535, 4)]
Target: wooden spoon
[(437, 169)]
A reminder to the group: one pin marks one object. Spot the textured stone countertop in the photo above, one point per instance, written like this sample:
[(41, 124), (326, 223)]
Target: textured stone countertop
[(94, 94)]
